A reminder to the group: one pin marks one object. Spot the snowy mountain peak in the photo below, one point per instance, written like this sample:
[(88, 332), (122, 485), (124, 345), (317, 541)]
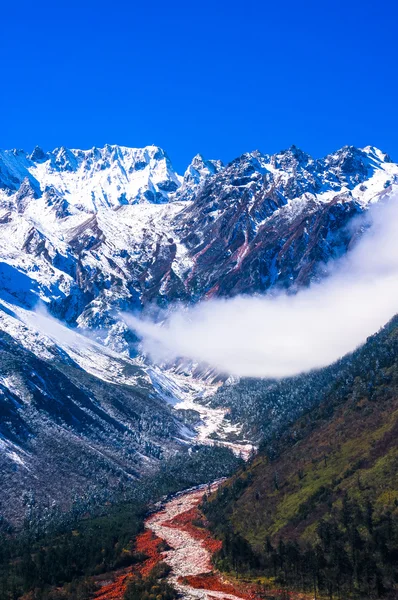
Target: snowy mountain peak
[(377, 153), (91, 180), (293, 157), (38, 154), (196, 174)]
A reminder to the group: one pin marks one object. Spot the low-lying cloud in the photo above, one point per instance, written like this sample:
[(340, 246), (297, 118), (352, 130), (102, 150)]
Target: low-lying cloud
[(283, 335)]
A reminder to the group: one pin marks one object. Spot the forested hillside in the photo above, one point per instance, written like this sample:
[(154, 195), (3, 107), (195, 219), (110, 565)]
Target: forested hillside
[(65, 556), (318, 507), (266, 406)]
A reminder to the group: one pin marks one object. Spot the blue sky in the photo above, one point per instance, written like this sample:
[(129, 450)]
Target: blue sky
[(218, 77)]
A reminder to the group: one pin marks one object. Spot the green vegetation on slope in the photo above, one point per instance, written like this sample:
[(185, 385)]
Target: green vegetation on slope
[(102, 539), (266, 407), (152, 587), (96, 545), (286, 513)]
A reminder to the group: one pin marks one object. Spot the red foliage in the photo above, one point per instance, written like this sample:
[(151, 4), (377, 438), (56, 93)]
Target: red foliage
[(213, 582), (148, 544), (115, 589)]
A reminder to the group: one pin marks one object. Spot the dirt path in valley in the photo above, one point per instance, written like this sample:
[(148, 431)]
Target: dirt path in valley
[(191, 549)]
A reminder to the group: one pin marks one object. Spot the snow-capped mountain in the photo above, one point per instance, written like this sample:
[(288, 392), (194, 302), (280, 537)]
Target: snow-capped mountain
[(91, 233), (89, 180)]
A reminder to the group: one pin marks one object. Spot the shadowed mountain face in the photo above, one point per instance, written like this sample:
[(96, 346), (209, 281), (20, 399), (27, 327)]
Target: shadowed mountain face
[(63, 430), (92, 233)]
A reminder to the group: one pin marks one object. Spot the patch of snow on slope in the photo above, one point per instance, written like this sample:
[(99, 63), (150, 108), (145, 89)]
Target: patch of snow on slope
[(14, 453)]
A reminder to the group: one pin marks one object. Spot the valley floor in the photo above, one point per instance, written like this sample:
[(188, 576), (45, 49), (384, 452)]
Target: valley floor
[(177, 525), (193, 394), (191, 549)]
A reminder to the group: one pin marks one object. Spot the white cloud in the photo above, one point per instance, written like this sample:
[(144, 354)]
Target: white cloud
[(284, 335)]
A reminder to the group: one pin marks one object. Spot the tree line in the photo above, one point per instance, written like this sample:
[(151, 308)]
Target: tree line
[(354, 554)]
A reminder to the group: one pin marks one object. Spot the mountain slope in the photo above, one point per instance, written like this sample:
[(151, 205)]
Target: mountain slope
[(80, 420), (64, 432), (329, 480)]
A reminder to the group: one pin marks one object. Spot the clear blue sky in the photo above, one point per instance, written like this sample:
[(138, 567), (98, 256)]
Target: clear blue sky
[(217, 77)]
